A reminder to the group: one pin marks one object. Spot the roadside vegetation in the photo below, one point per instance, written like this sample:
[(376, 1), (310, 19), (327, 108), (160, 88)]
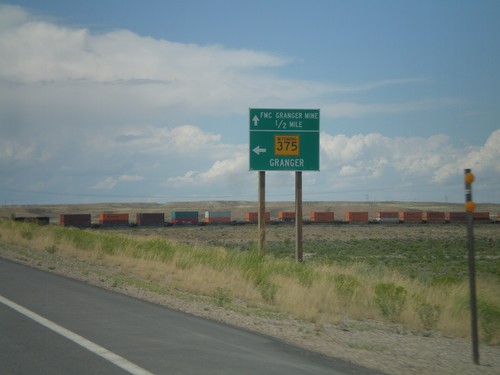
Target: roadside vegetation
[(419, 284)]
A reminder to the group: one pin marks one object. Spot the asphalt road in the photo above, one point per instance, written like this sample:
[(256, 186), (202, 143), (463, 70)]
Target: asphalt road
[(54, 325)]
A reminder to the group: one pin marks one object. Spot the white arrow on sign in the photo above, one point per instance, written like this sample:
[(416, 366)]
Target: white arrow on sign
[(258, 150), (255, 120)]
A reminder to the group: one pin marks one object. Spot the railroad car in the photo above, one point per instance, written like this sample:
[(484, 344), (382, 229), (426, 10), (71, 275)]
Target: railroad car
[(411, 217), (184, 217), (432, 217), (455, 217), (75, 220), (150, 219), (322, 216), (253, 217), (217, 217), (286, 216), (113, 220), (481, 217), (391, 217), (353, 217), (40, 220), (461, 217), (224, 217)]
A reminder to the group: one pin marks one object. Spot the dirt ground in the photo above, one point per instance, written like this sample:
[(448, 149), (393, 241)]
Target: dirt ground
[(234, 235)]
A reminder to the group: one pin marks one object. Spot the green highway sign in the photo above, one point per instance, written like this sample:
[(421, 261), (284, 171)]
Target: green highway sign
[(284, 139)]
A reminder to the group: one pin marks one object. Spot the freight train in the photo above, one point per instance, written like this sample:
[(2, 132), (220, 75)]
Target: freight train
[(116, 220)]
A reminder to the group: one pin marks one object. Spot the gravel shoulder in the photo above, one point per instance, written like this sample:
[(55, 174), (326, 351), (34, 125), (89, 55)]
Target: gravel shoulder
[(384, 347)]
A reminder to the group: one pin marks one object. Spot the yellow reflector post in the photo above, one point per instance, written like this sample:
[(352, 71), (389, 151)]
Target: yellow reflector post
[(470, 206), (469, 178)]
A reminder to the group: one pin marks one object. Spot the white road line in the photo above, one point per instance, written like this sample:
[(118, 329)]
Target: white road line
[(89, 345)]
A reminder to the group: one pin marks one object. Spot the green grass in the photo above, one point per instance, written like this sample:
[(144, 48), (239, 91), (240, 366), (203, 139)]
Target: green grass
[(433, 261)]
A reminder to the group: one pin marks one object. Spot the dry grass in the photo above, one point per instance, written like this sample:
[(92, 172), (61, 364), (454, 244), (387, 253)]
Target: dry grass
[(322, 293)]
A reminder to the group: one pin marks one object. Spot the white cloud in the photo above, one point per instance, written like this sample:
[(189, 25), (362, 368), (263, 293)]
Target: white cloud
[(189, 138), (220, 172), (39, 51), (49, 65), (184, 141), (366, 155), (487, 156), (23, 152), (483, 160), (15, 152), (224, 179), (76, 107), (386, 167), (110, 182), (130, 178), (68, 63), (377, 160), (106, 184)]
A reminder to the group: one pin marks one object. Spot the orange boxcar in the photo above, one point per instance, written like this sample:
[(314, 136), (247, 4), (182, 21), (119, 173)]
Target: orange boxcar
[(410, 217), (356, 217), (217, 220), (286, 216), (387, 215), (113, 219), (322, 216), (217, 217), (455, 217), (253, 217), (433, 217), (481, 216)]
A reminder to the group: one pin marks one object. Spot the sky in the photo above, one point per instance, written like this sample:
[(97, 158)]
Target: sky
[(148, 101)]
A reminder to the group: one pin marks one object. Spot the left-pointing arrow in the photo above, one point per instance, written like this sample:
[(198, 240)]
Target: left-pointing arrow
[(258, 150)]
